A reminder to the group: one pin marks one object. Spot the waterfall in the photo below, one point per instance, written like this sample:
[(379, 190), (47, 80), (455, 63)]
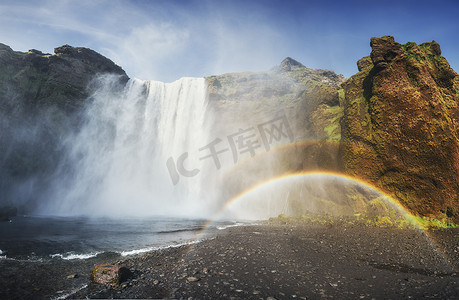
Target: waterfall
[(121, 161)]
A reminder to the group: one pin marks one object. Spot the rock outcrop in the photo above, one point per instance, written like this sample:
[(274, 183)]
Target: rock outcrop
[(400, 126)]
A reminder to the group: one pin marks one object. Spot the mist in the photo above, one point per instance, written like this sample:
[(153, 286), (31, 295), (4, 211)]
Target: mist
[(115, 163), (31, 149)]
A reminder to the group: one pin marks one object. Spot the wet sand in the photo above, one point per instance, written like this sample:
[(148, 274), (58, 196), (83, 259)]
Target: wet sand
[(263, 261)]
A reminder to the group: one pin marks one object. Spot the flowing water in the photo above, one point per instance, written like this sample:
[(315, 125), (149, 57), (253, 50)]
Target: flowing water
[(115, 189), (117, 162)]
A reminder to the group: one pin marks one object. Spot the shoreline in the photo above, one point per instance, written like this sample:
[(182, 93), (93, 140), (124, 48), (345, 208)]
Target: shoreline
[(261, 261)]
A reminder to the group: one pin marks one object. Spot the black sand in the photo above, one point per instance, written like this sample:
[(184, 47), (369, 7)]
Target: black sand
[(258, 262)]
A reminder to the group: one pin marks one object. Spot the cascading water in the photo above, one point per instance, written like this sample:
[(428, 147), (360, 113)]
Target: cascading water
[(116, 163)]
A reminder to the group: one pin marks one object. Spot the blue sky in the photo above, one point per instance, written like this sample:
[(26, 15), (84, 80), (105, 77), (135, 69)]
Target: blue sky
[(166, 40)]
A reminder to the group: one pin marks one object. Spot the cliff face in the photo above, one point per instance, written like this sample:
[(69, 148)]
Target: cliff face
[(41, 96), (400, 126), (308, 98)]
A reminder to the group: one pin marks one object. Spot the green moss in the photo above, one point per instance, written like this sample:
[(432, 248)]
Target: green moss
[(435, 224), (334, 132), (421, 54), (341, 96), (424, 47), (334, 129)]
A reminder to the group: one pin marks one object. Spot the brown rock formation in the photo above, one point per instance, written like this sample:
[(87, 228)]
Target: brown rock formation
[(400, 126)]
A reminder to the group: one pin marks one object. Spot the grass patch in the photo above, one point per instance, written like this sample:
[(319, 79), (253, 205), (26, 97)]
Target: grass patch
[(364, 219), (357, 219)]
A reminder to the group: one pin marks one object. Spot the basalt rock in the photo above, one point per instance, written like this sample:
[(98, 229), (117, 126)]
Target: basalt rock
[(400, 126)]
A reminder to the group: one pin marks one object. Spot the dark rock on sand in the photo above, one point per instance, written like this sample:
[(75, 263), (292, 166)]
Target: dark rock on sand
[(112, 275)]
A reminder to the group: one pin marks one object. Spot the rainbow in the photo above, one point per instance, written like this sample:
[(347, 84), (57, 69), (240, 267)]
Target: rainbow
[(234, 200)]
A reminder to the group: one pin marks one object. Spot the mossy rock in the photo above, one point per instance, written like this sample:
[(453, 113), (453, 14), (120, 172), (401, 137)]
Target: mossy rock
[(400, 125)]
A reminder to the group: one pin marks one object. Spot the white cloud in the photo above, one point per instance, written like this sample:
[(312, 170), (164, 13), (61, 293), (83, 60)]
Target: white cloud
[(150, 42), (145, 50)]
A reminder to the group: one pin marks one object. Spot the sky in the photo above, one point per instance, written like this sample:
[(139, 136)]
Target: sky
[(168, 39)]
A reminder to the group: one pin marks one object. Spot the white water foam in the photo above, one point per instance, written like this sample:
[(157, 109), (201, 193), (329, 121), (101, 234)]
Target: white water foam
[(149, 249), (223, 227), (71, 255)]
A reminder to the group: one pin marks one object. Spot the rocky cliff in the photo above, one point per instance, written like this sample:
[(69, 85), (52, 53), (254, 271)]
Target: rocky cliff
[(400, 126), (41, 96)]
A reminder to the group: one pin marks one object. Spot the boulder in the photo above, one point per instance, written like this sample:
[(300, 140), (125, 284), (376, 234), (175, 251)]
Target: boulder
[(112, 275)]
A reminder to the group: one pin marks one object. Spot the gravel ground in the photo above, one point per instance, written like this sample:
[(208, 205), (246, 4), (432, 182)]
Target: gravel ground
[(264, 262)]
